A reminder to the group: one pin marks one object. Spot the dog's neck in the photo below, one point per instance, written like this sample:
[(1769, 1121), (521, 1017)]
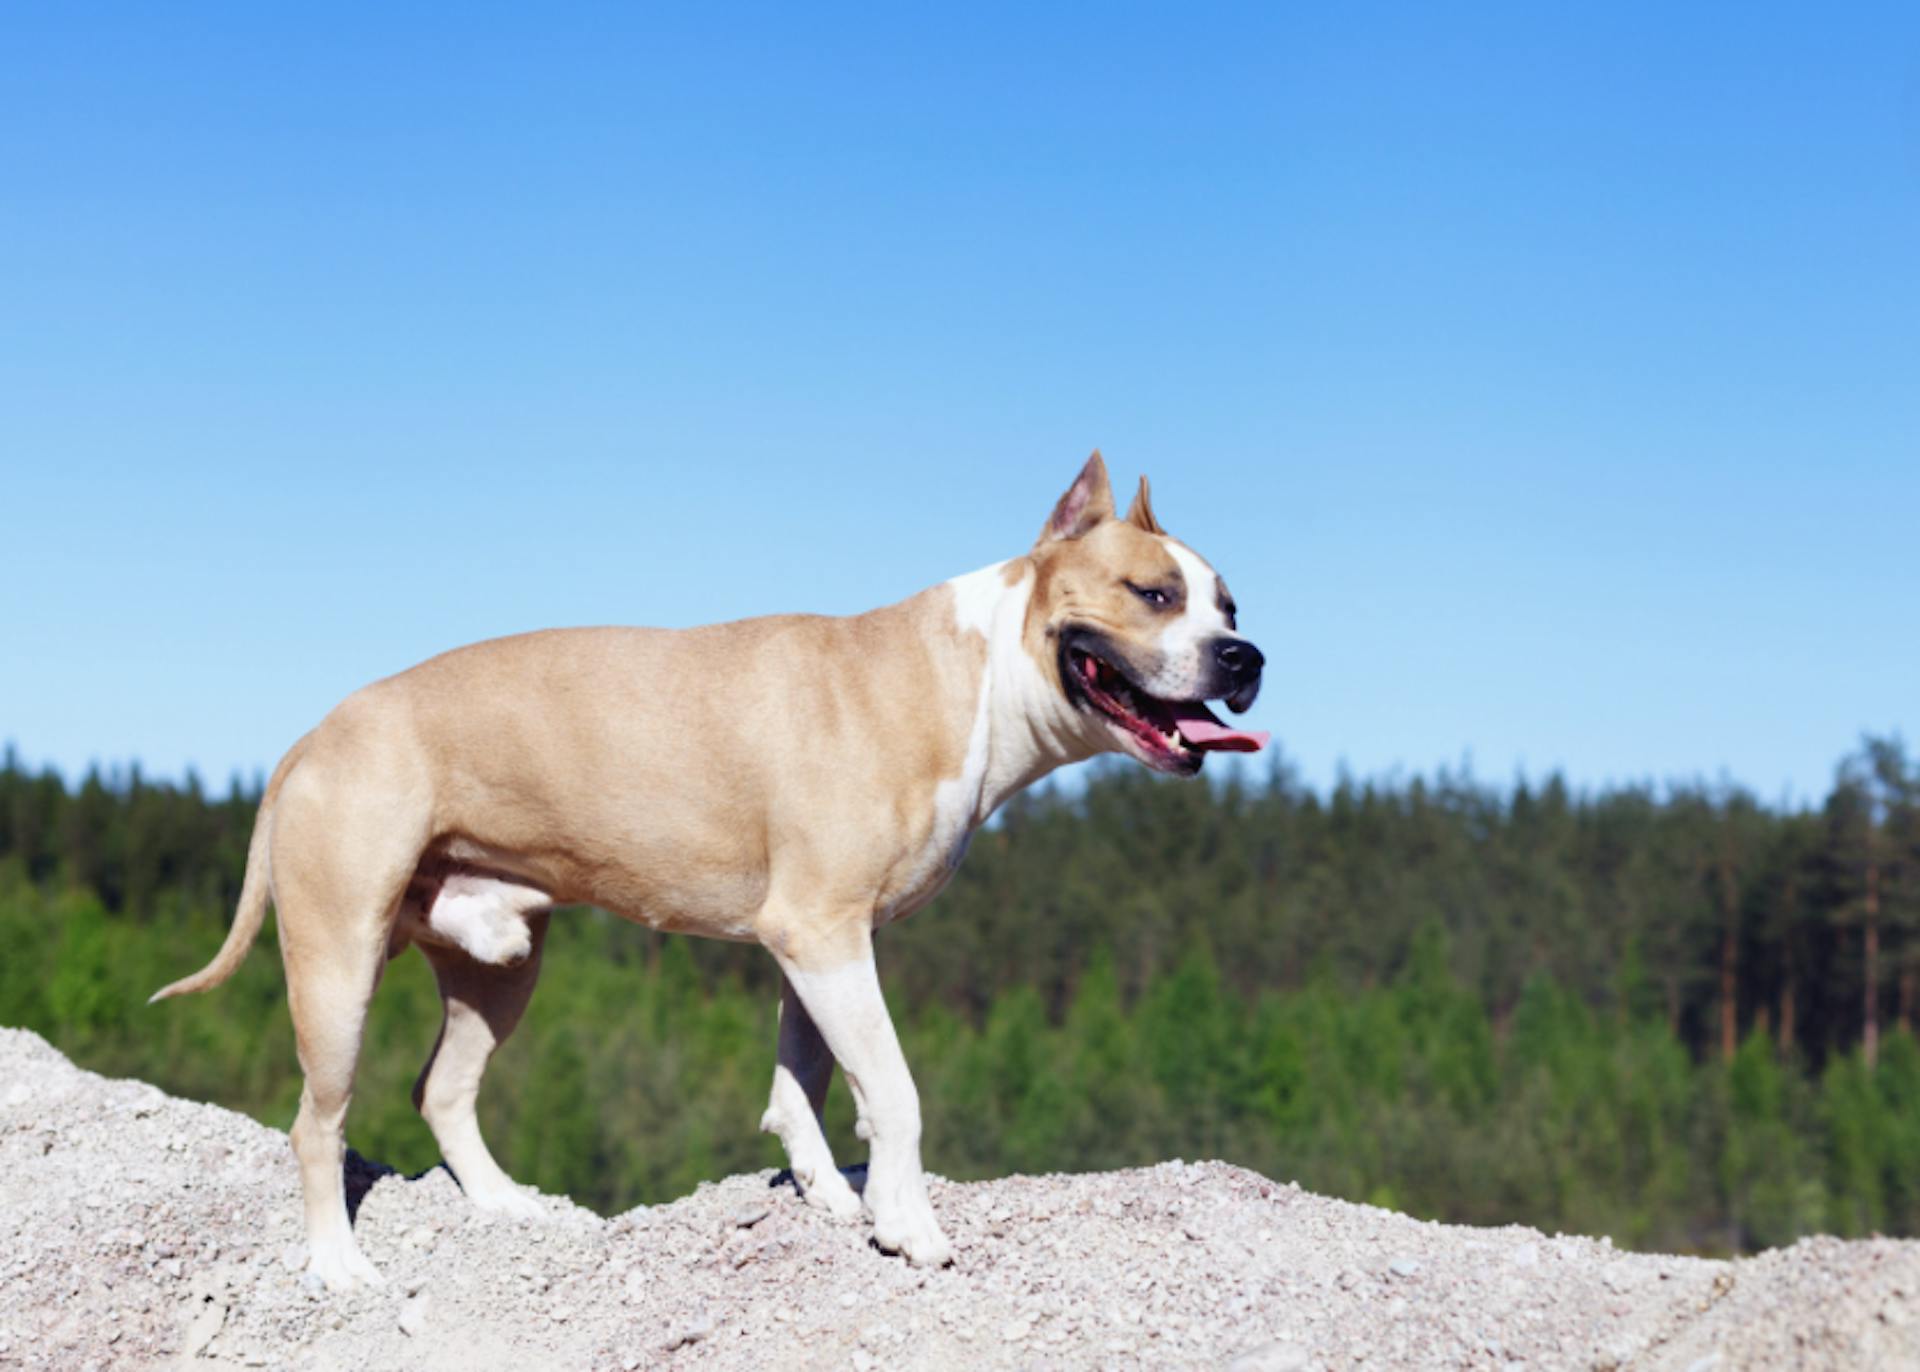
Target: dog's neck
[(1024, 726)]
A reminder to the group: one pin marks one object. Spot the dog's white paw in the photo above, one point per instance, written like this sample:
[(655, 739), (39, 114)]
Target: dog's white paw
[(508, 1202), (917, 1237), (343, 1266), (828, 1190)]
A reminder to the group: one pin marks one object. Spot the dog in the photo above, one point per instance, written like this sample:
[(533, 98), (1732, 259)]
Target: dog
[(795, 781)]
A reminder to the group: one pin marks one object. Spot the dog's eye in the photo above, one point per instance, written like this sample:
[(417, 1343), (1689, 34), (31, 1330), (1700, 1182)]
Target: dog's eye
[(1153, 595)]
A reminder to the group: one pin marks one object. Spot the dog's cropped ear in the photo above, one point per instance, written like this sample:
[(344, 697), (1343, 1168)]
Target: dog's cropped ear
[(1088, 501), (1140, 513)]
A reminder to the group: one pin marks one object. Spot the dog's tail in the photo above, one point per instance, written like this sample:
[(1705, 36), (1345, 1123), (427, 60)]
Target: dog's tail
[(255, 891)]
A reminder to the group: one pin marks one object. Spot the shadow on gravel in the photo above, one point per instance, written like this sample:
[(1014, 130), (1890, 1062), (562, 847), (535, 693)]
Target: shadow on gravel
[(856, 1178)]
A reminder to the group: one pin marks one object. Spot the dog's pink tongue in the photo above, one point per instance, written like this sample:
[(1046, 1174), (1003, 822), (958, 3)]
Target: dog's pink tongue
[(1200, 729)]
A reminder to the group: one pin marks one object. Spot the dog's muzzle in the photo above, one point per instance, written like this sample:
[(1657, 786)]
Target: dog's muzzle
[(1237, 664)]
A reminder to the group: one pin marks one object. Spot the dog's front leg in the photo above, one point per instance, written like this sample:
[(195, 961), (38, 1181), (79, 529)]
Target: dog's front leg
[(836, 981), (794, 1112)]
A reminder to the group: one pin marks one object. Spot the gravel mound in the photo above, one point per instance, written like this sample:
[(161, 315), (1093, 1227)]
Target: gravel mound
[(137, 1230)]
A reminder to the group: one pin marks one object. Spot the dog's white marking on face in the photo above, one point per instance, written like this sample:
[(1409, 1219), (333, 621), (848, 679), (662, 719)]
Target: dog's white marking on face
[(1186, 643)]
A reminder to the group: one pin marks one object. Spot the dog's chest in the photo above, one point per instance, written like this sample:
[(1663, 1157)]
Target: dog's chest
[(956, 810), (926, 870)]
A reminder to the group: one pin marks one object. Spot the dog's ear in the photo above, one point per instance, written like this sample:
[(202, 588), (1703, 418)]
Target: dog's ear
[(1088, 501), (1140, 513)]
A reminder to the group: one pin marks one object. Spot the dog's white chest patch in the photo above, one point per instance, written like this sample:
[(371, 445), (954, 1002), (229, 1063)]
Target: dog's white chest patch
[(978, 600)]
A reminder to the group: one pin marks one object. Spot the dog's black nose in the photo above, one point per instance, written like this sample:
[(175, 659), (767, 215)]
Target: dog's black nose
[(1238, 657)]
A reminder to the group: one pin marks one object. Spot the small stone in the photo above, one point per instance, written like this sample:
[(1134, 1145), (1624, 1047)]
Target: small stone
[(749, 1215), (698, 1327), (864, 1361), (1279, 1356), (413, 1317), (203, 1326), (1016, 1329), (1404, 1267)]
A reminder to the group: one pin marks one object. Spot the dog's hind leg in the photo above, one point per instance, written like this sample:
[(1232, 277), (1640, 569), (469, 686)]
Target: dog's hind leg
[(341, 859), (483, 1003), (331, 977), (797, 1107)]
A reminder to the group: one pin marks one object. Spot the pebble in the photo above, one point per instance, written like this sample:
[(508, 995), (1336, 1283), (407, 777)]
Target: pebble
[(202, 1326), (697, 1327), (1272, 1357), (413, 1317)]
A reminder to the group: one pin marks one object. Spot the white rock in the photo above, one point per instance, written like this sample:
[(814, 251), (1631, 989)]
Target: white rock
[(413, 1317), (202, 1327)]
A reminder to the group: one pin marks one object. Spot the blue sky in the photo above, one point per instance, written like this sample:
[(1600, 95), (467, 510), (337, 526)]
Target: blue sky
[(1545, 379)]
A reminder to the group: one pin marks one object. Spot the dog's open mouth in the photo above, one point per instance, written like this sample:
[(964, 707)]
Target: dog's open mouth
[(1174, 735)]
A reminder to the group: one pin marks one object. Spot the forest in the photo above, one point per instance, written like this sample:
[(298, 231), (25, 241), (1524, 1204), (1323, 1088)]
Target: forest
[(1673, 1014)]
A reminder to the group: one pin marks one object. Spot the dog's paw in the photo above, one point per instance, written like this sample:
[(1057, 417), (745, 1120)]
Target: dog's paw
[(830, 1192), (919, 1239), (343, 1267), (508, 1202)]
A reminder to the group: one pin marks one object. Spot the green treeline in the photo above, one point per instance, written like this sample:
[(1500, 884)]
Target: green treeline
[(1681, 1017)]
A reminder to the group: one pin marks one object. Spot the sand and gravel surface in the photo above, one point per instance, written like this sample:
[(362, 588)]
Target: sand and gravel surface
[(137, 1230)]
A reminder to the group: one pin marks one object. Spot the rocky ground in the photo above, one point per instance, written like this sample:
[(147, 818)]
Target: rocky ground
[(139, 1231)]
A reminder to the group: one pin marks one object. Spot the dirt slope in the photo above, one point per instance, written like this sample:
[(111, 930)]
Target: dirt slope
[(137, 1230)]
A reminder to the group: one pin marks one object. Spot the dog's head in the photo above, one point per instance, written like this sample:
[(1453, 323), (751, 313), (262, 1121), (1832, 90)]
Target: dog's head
[(1140, 631)]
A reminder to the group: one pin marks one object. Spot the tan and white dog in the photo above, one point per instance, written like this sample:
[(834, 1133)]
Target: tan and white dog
[(795, 781)]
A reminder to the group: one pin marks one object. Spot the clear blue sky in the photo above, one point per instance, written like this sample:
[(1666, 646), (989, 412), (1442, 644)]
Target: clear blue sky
[(1545, 379)]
